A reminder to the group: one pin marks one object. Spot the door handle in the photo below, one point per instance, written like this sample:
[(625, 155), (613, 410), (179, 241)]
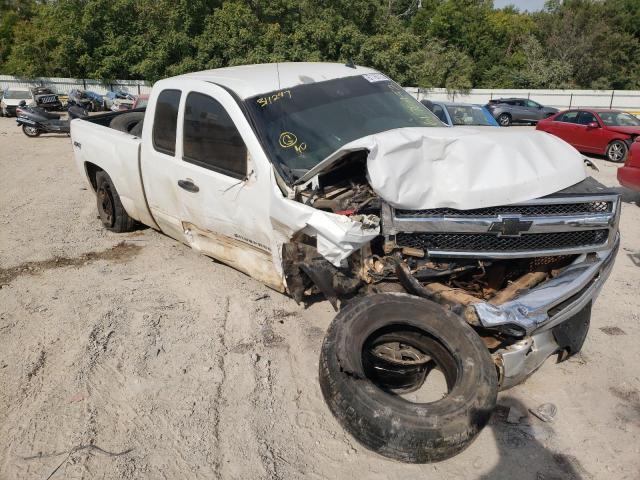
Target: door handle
[(188, 185)]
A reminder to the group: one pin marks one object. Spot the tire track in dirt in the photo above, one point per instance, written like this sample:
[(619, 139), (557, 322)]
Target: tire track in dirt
[(217, 411)]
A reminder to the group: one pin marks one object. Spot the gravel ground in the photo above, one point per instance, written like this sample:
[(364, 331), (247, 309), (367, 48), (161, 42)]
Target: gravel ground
[(131, 356)]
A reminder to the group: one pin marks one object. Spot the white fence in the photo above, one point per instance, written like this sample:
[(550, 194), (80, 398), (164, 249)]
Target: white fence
[(623, 99), (62, 86)]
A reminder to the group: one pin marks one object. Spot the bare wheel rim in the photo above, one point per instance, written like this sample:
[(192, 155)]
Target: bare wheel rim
[(106, 206), (400, 361), (616, 152)]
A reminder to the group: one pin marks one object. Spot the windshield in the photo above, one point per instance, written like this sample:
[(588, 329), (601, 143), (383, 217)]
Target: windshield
[(619, 119), (17, 95), (468, 115), (302, 125)]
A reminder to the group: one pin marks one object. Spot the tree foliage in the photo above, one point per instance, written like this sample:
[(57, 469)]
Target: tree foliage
[(456, 44)]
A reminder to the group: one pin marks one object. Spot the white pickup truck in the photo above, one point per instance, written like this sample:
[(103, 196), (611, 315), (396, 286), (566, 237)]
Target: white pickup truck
[(475, 253)]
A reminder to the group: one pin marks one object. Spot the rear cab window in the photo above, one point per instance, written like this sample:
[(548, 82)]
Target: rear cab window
[(165, 121), (211, 139)]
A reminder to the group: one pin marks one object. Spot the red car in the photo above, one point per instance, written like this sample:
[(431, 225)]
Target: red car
[(629, 174), (594, 130)]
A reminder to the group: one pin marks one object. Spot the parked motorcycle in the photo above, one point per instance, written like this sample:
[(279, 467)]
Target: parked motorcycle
[(35, 120)]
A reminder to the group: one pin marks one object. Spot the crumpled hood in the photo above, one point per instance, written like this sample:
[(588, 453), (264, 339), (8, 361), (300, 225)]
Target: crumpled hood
[(423, 168), (625, 129)]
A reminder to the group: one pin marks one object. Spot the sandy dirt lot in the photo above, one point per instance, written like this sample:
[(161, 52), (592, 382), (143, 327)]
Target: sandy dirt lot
[(131, 356)]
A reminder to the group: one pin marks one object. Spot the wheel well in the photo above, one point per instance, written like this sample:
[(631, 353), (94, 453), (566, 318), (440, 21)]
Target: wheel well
[(92, 169)]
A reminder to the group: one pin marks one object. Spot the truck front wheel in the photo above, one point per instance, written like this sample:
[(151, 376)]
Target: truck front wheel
[(112, 214), (382, 347)]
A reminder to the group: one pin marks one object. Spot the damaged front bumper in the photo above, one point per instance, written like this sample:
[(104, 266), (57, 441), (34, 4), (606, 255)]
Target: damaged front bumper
[(554, 315)]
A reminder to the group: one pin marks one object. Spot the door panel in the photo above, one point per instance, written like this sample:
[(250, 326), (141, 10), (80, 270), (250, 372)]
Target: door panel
[(158, 160), (587, 138), (226, 217), (566, 128), (223, 216)]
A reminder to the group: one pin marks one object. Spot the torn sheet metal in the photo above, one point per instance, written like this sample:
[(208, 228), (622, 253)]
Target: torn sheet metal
[(337, 235), (422, 168)]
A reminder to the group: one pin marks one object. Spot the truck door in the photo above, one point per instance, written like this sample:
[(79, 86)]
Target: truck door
[(222, 197)]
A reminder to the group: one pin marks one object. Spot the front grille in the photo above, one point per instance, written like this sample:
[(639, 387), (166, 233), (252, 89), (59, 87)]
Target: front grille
[(472, 242), (49, 99), (553, 209)]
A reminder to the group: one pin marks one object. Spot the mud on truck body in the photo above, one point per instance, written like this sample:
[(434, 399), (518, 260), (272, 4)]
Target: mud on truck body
[(476, 254)]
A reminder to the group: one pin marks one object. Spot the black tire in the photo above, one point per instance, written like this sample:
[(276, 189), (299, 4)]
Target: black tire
[(112, 214), (31, 132), (137, 130), (617, 151), (126, 121), (504, 119), (380, 419)]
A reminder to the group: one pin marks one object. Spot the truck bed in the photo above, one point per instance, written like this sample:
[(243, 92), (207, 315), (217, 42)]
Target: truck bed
[(116, 152)]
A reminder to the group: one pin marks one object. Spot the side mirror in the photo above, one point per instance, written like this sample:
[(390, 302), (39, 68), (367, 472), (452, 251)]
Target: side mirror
[(593, 125)]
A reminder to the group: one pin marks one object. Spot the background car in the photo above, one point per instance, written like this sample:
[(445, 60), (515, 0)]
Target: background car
[(46, 98), (141, 100), (90, 101), (629, 173), (461, 114), (600, 131), (518, 110), (122, 100), (12, 98)]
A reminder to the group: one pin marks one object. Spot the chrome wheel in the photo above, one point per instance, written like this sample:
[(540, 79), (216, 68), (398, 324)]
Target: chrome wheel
[(504, 120), (617, 151)]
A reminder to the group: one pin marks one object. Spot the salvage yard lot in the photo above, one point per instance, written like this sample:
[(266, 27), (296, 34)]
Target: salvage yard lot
[(177, 366)]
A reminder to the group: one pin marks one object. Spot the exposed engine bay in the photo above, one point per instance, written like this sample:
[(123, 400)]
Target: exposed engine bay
[(459, 259)]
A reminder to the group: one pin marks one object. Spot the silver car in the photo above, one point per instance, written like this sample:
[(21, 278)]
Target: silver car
[(518, 110)]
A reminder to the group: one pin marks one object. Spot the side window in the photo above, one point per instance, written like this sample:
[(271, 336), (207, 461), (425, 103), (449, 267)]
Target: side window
[(569, 117), (519, 103), (586, 118), (165, 121), (532, 104), (211, 139), (439, 112)]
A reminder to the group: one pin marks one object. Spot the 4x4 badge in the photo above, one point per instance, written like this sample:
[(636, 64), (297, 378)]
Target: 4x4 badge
[(510, 227)]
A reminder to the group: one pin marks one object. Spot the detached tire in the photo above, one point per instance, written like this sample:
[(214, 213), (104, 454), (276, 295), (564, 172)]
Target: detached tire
[(376, 415), (127, 121), (112, 214)]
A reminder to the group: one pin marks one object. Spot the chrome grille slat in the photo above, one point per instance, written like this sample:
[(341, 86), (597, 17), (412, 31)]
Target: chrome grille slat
[(493, 243), (555, 209)]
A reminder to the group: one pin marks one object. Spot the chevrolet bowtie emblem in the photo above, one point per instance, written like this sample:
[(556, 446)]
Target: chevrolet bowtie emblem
[(510, 227)]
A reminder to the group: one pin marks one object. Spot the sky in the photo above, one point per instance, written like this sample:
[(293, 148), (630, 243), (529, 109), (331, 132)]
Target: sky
[(530, 5)]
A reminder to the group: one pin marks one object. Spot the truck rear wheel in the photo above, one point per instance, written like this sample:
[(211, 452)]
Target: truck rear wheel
[(382, 346), (125, 122), (112, 214)]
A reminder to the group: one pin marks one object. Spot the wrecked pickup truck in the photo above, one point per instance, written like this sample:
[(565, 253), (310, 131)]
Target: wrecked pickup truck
[(471, 255)]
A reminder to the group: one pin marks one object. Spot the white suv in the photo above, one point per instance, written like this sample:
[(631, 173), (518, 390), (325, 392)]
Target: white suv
[(12, 98)]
